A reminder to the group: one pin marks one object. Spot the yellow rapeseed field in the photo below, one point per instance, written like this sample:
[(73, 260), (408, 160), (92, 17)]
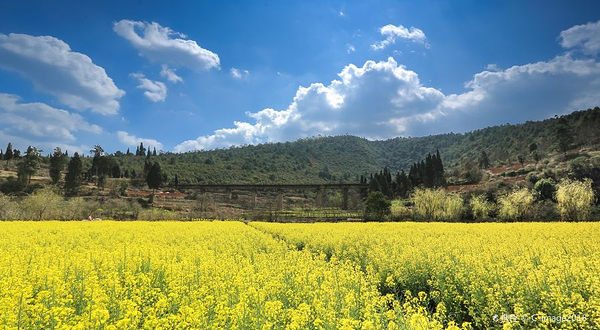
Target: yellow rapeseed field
[(173, 275), (227, 275), (495, 275)]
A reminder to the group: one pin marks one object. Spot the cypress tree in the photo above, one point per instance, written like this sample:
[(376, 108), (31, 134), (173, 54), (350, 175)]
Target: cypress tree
[(154, 177), (374, 185), (8, 155), (57, 162), (73, 178)]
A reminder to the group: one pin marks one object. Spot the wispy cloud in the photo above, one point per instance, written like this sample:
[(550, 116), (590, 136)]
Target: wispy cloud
[(155, 91), (170, 74), (392, 32), (165, 46), (239, 73)]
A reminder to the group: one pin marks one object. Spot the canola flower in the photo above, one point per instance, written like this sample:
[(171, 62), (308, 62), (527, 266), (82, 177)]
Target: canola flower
[(173, 275), (488, 276), (227, 275)]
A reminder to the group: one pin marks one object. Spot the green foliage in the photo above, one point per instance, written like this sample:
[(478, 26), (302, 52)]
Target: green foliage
[(481, 208), (484, 160), (154, 178), (575, 199), (545, 188), (515, 205), (347, 157), (9, 209), (437, 205), (564, 135), (73, 178), (377, 206), (8, 154), (43, 204), (28, 166), (57, 163), (399, 211)]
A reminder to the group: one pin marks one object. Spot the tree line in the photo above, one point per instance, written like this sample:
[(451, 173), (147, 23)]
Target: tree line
[(102, 167), (428, 173)]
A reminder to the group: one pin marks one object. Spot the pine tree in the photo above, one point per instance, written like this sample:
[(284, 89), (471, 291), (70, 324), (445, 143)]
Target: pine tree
[(484, 160), (128, 153), (27, 167), (73, 178), (564, 135), (154, 152)]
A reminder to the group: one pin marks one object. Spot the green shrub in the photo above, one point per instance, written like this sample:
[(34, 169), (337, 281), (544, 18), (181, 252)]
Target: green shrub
[(480, 207), (377, 206), (532, 178), (400, 211), (43, 204), (515, 205), (575, 199), (545, 189), (9, 209), (436, 205)]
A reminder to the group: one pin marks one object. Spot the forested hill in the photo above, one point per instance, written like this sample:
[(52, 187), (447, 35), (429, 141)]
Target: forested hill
[(345, 158)]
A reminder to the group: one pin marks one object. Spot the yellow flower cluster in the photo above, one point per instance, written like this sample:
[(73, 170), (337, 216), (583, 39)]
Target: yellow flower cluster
[(173, 275), (489, 276)]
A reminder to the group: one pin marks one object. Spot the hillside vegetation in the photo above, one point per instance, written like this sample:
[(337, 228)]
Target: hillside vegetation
[(345, 158)]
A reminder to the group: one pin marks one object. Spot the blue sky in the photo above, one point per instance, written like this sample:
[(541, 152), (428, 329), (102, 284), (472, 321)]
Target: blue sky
[(200, 75)]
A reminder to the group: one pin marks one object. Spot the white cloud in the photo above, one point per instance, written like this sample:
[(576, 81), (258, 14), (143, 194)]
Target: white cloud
[(384, 99), (350, 48), (132, 140), (586, 37), (391, 32), (53, 68), (170, 74), (40, 124), (155, 91), (163, 45), (239, 74)]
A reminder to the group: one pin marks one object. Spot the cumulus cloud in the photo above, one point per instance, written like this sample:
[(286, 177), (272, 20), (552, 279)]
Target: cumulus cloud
[(239, 74), (350, 48), (585, 37), (40, 124), (384, 99), (132, 140), (170, 75), (155, 91), (53, 68), (163, 45), (392, 32)]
